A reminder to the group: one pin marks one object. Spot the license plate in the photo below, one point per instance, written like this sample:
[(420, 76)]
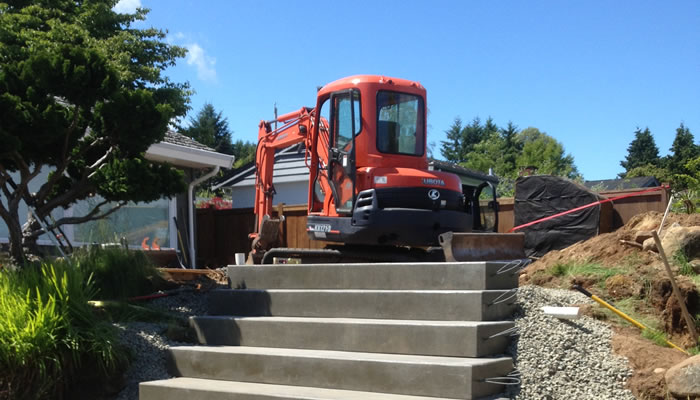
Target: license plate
[(322, 228)]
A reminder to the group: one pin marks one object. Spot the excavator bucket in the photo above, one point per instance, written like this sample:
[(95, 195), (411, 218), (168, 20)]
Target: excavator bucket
[(482, 246), (267, 238)]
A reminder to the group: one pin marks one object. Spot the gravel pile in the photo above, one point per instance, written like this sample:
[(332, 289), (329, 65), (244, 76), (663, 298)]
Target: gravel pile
[(148, 342), (564, 359)]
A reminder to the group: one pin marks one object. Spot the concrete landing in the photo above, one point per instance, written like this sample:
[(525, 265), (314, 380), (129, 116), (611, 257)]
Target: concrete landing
[(450, 377), (404, 276)]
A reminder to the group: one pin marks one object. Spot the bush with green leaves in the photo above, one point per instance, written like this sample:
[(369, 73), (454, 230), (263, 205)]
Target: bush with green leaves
[(118, 274), (49, 331)]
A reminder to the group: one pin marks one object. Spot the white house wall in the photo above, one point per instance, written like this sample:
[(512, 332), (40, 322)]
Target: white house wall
[(291, 193)]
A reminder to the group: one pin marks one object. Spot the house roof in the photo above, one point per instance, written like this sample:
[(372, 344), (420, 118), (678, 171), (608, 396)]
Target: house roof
[(173, 137), (184, 152), (621, 184)]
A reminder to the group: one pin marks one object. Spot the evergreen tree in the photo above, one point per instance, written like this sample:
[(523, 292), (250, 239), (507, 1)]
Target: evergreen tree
[(244, 152), (641, 151), (451, 148), (211, 129), (472, 134), (511, 147), (683, 150)]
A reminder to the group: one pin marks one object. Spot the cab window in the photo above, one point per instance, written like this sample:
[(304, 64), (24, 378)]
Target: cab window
[(400, 125)]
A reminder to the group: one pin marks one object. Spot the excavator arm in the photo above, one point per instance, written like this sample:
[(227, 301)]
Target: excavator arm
[(297, 127)]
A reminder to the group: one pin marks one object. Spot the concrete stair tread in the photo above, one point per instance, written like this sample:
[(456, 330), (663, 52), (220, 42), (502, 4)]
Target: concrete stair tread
[(367, 321), (341, 355), (439, 305), (216, 389), (396, 336)]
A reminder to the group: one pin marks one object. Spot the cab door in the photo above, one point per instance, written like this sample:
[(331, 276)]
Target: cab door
[(345, 125)]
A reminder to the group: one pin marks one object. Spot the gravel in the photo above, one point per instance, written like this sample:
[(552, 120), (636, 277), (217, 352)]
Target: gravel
[(557, 359), (148, 342), (564, 359)]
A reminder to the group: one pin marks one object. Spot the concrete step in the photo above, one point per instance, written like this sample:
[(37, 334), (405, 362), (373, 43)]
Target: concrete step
[(450, 377), (438, 338), (408, 276), (208, 389), (442, 305)]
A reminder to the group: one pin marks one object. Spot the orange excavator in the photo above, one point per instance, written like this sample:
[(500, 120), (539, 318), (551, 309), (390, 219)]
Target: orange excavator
[(369, 184)]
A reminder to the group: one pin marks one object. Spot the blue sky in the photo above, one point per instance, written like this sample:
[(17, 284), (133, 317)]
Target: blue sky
[(587, 73)]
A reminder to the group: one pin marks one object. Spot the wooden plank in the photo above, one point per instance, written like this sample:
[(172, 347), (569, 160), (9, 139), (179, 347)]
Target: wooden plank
[(676, 291)]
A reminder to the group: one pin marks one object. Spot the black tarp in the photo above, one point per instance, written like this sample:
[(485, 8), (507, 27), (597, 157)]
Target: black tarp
[(542, 196)]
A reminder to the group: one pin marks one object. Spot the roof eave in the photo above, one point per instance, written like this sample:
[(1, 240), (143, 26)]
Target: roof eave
[(188, 157)]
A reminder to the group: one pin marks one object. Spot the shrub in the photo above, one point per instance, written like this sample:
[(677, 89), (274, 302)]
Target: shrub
[(49, 330), (118, 273)]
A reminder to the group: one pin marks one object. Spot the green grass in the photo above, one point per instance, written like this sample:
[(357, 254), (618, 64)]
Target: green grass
[(634, 308), (592, 270), (658, 337), (49, 330), (684, 267)]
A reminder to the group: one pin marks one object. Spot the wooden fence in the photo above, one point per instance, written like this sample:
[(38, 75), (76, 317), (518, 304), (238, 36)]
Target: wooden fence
[(223, 233)]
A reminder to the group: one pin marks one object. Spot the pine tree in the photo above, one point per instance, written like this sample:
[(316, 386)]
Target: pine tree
[(641, 151), (451, 148), (683, 150), (211, 129), (511, 147), (472, 135)]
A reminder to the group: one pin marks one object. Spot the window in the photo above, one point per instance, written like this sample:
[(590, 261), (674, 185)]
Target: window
[(343, 118), (135, 222), (400, 125)]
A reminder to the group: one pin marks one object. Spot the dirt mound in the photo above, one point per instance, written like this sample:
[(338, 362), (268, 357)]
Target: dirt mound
[(629, 270), (612, 249)]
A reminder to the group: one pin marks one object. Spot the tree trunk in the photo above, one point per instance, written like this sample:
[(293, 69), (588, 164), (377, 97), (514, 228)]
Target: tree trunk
[(29, 241), (16, 250)]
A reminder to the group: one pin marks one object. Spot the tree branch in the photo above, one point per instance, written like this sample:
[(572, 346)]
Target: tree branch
[(78, 189), (97, 164), (94, 214), (46, 187), (25, 176)]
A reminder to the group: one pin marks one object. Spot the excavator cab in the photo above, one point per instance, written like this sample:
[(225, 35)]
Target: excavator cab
[(374, 186)]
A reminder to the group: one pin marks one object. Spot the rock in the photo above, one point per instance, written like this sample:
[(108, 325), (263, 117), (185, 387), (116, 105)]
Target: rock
[(682, 238), (649, 245), (695, 265), (641, 236), (683, 380), (659, 370)]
